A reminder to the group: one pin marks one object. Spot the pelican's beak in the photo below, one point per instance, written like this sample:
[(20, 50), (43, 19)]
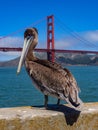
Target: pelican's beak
[(27, 43)]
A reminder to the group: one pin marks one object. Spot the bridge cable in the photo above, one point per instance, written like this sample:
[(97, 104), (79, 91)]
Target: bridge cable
[(20, 30), (74, 34)]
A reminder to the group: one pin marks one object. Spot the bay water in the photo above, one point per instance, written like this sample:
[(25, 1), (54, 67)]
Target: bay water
[(18, 90)]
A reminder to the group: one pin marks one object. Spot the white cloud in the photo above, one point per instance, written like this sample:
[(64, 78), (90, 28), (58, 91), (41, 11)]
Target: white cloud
[(65, 43), (11, 42), (91, 35), (84, 40)]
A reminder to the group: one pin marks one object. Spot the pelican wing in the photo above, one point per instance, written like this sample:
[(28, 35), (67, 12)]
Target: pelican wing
[(54, 81), (49, 64), (72, 79), (73, 97), (52, 65)]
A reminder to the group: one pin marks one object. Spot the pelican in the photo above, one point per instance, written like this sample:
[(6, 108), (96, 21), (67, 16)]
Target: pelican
[(49, 77)]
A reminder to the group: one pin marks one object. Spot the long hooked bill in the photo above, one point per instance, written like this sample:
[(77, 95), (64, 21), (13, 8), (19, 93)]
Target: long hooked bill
[(24, 53)]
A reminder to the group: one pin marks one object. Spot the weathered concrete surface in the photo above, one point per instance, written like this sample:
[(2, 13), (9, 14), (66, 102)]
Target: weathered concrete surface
[(62, 118)]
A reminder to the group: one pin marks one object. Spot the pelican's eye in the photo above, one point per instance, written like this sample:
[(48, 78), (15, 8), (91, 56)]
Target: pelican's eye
[(29, 34), (28, 37)]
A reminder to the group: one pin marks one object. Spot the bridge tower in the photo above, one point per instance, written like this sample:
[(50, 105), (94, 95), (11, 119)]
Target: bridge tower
[(50, 38)]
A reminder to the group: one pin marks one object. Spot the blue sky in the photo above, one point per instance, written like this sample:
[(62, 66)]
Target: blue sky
[(81, 16)]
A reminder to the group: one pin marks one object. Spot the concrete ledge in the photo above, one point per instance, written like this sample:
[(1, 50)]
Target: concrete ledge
[(62, 118)]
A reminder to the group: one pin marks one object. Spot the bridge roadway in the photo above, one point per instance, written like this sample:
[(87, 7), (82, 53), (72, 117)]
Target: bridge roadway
[(6, 49)]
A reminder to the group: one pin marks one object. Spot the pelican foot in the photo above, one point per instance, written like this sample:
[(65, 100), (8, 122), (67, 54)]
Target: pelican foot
[(46, 107), (58, 102), (46, 101)]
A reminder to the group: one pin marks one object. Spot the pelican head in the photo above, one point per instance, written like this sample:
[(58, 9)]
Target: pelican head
[(30, 42)]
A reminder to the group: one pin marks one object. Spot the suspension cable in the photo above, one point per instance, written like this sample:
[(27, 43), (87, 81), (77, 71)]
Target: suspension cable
[(74, 34), (20, 30)]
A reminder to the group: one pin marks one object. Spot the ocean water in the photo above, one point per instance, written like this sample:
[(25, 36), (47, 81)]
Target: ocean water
[(18, 90)]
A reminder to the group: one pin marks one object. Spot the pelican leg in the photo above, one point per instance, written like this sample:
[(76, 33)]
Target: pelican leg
[(58, 102), (46, 101)]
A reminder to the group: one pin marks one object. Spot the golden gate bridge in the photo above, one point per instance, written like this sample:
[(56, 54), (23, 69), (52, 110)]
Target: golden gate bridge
[(50, 50)]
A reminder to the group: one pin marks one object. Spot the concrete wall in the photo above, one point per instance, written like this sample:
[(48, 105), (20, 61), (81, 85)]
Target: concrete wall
[(62, 118)]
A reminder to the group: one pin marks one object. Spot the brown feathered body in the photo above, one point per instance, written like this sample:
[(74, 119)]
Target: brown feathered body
[(52, 80)]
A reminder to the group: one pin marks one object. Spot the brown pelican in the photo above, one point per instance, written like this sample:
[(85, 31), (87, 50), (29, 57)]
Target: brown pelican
[(49, 77)]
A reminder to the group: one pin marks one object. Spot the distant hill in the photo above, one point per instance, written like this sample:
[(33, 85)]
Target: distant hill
[(78, 59), (10, 63), (64, 59)]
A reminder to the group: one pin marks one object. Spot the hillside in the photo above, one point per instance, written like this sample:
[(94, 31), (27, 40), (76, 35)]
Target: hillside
[(78, 59), (64, 59), (10, 63)]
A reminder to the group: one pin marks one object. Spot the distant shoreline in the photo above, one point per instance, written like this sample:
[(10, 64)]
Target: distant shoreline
[(63, 59)]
